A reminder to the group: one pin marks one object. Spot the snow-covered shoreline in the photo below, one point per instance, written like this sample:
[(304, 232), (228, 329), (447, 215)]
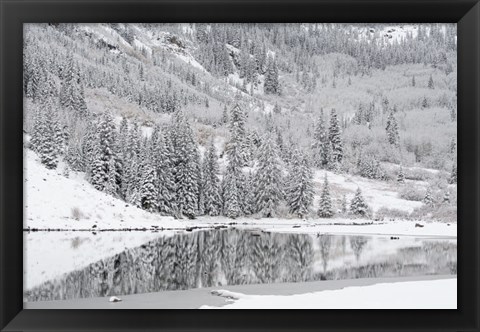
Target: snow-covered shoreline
[(284, 293)]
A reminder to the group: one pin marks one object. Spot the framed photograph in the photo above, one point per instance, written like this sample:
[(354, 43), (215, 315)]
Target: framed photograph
[(158, 156)]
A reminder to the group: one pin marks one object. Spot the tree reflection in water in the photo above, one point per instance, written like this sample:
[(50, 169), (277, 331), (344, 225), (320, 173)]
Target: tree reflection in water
[(228, 257)]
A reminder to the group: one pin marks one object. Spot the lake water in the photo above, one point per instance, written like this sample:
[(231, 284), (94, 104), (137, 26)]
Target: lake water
[(232, 257)]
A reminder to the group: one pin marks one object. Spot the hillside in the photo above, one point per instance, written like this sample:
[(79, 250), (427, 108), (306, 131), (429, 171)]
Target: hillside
[(371, 107)]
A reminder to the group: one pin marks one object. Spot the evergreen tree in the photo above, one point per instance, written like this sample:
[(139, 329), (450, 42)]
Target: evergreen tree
[(428, 199), (453, 174), (72, 98), (104, 175), (212, 197), (358, 205), (234, 180), (46, 131), (231, 192), (148, 190), (430, 83), (271, 84), (268, 191), (325, 209), (300, 187), (238, 133), (392, 130), (186, 167), (425, 103), (321, 143), (335, 138), (163, 161), (225, 115)]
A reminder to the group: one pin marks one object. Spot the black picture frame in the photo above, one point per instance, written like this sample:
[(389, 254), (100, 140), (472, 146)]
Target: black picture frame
[(14, 13)]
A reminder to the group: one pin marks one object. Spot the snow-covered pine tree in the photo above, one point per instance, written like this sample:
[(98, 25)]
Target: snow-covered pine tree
[(211, 193), (233, 181), (358, 205), (453, 174), (186, 167), (104, 173), (72, 98), (325, 209), (249, 194), (299, 193), (392, 130), (224, 115), (47, 148), (271, 84), (238, 133), (148, 190), (425, 103), (131, 181), (431, 85), (335, 139), (38, 129), (428, 199), (321, 143), (268, 191), (163, 163), (88, 145)]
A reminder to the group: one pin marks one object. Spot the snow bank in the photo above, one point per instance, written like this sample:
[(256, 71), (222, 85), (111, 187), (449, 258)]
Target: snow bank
[(54, 201), (432, 294), (377, 193)]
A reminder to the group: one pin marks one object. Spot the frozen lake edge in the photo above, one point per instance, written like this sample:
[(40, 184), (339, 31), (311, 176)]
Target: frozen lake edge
[(196, 298)]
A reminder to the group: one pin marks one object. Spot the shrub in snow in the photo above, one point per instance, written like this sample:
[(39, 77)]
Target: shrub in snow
[(76, 213), (418, 174), (440, 213), (412, 193), (392, 213)]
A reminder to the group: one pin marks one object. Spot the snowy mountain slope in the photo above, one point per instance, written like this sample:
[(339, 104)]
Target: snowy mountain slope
[(378, 194), (77, 204)]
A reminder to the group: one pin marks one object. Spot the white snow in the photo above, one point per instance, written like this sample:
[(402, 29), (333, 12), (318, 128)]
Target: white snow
[(432, 294), (54, 201), (338, 226), (378, 194), (114, 299)]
